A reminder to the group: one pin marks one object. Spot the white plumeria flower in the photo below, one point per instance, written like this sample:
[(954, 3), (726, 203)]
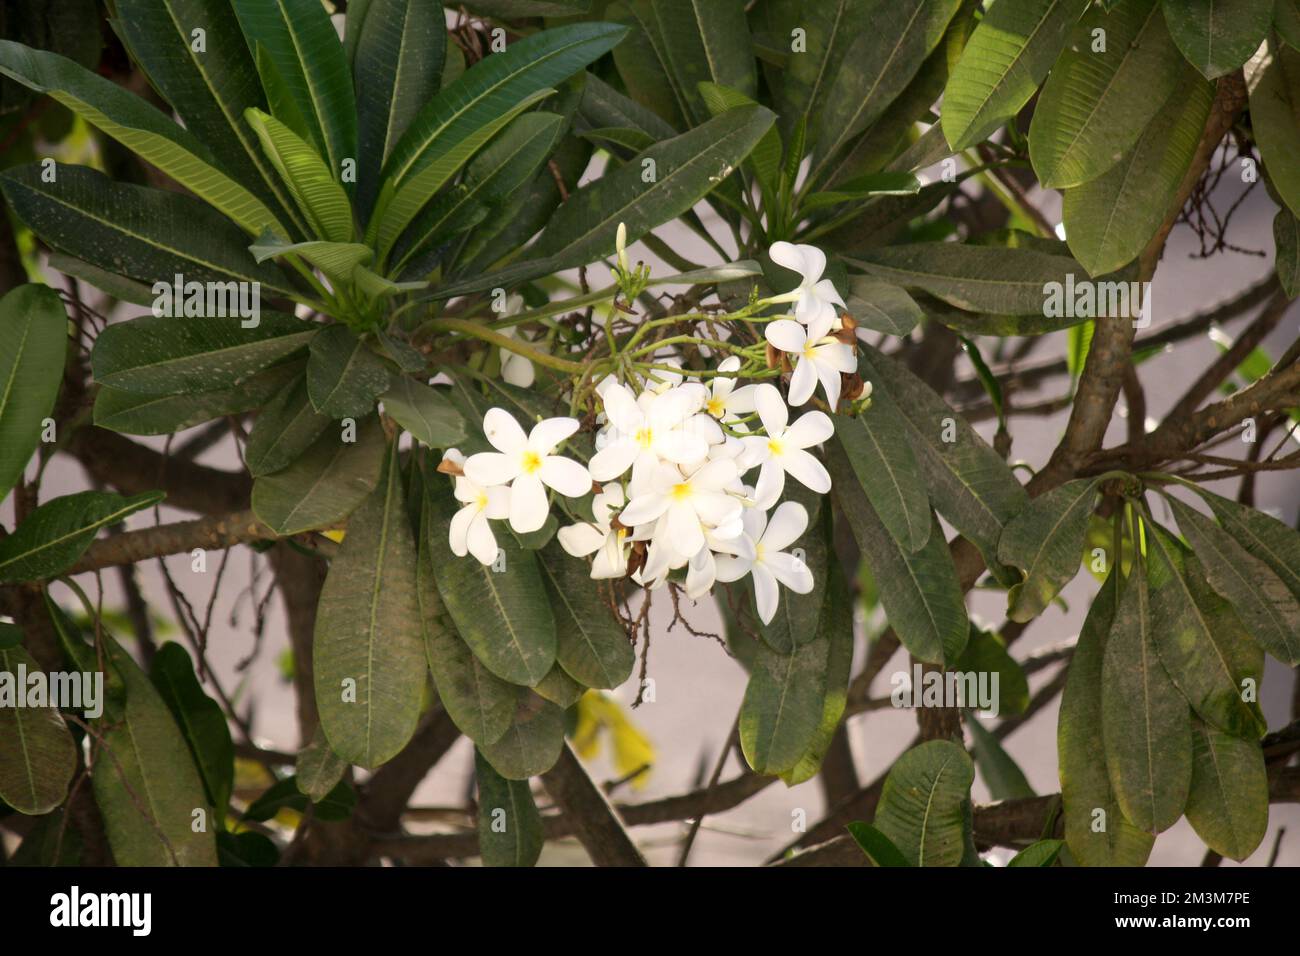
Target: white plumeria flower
[(516, 369), (781, 451), (643, 432), (725, 401), (470, 532), (600, 538), (690, 503), (527, 464), (770, 564), (816, 358), (817, 298)]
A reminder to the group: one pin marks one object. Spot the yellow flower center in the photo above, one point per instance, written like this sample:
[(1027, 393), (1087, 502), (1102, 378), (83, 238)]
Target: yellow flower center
[(532, 461), (775, 447), (481, 500), (716, 407), (681, 491), (644, 437), (808, 349), (758, 551)]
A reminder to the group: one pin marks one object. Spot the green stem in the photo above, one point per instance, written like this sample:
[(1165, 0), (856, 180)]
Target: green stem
[(475, 330)]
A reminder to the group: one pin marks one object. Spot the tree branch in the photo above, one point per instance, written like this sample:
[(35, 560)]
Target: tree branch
[(594, 821)]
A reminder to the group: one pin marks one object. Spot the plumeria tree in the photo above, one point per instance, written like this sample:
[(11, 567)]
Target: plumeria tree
[(537, 328)]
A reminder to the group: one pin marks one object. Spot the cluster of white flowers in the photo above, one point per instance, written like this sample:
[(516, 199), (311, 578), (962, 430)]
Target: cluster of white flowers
[(681, 477)]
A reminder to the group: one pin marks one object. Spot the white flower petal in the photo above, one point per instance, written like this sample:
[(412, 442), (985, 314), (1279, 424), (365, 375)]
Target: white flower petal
[(814, 263), (788, 256), (610, 560), (826, 291), (811, 429), (728, 568), (622, 410), (503, 431), (528, 505), (614, 459), (806, 470), (684, 531), (787, 523), (679, 446), (498, 505), (643, 510), (765, 593), (771, 482), (715, 508), (581, 540), (701, 573), (803, 382), (830, 379), (482, 543), (517, 370), (786, 334), (772, 410), (549, 432), (790, 571), (491, 468), (565, 475), (458, 531)]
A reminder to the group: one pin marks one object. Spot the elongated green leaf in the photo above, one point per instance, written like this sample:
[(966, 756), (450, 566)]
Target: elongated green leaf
[(315, 188), (209, 84), (792, 696), (1286, 21), (1273, 78), (201, 721), (344, 375), (603, 107), (164, 355), (876, 445), (33, 343), (1045, 541), (285, 429), (1286, 242), (1146, 725), (919, 590), (57, 533), (559, 688), (1095, 828), (590, 645), (299, 45), (424, 412), (1228, 802), (145, 781), (1001, 281), (285, 794), (986, 653), (1007, 57), (829, 28), (1042, 853), (318, 769), (1202, 644), (481, 704), (1096, 103), (118, 287), (37, 754), (139, 127), (147, 234), (968, 482), (1270, 612), (336, 260), (881, 306), (999, 771), (705, 41), (504, 616), (642, 61), (879, 849), (532, 742), (924, 806), (325, 484), (1109, 220), (399, 51), (1262, 535), (509, 826), (1217, 36), (368, 652), (878, 65)]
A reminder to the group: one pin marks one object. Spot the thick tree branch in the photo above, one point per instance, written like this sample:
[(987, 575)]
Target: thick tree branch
[(593, 819)]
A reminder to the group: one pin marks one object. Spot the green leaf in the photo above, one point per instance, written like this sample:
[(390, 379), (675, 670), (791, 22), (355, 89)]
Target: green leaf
[(504, 616), (284, 794), (344, 375), (57, 533), (314, 185), (325, 484), (145, 781), (1145, 722), (209, 89), (1286, 21), (509, 826), (1095, 104), (1045, 541), (920, 591), (829, 28), (992, 279), (481, 704), (532, 742), (368, 652), (559, 688), (150, 235), (398, 57), (202, 723), (139, 127), (1095, 828), (1217, 36), (878, 847), (791, 697), (1286, 261), (878, 65), (999, 771), (765, 159), (319, 769), (120, 288), (589, 643), (1006, 58), (924, 807), (1109, 220), (134, 414), (165, 355), (968, 482), (33, 343), (1262, 535), (1273, 78), (1042, 853), (37, 754), (248, 848), (424, 412), (1228, 802), (881, 306), (1270, 612), (643, 65), (705, 41), (301, 48), (1202, 644), (284, 429), (987, 654), (877, 447)]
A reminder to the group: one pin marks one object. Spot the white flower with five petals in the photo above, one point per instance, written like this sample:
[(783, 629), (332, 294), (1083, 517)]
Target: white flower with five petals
[(644, 433), (782, 451), (527, 464), (725, 401), (770, 563), (817, 298), (816, 358), (690, 503), (470, 532)]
